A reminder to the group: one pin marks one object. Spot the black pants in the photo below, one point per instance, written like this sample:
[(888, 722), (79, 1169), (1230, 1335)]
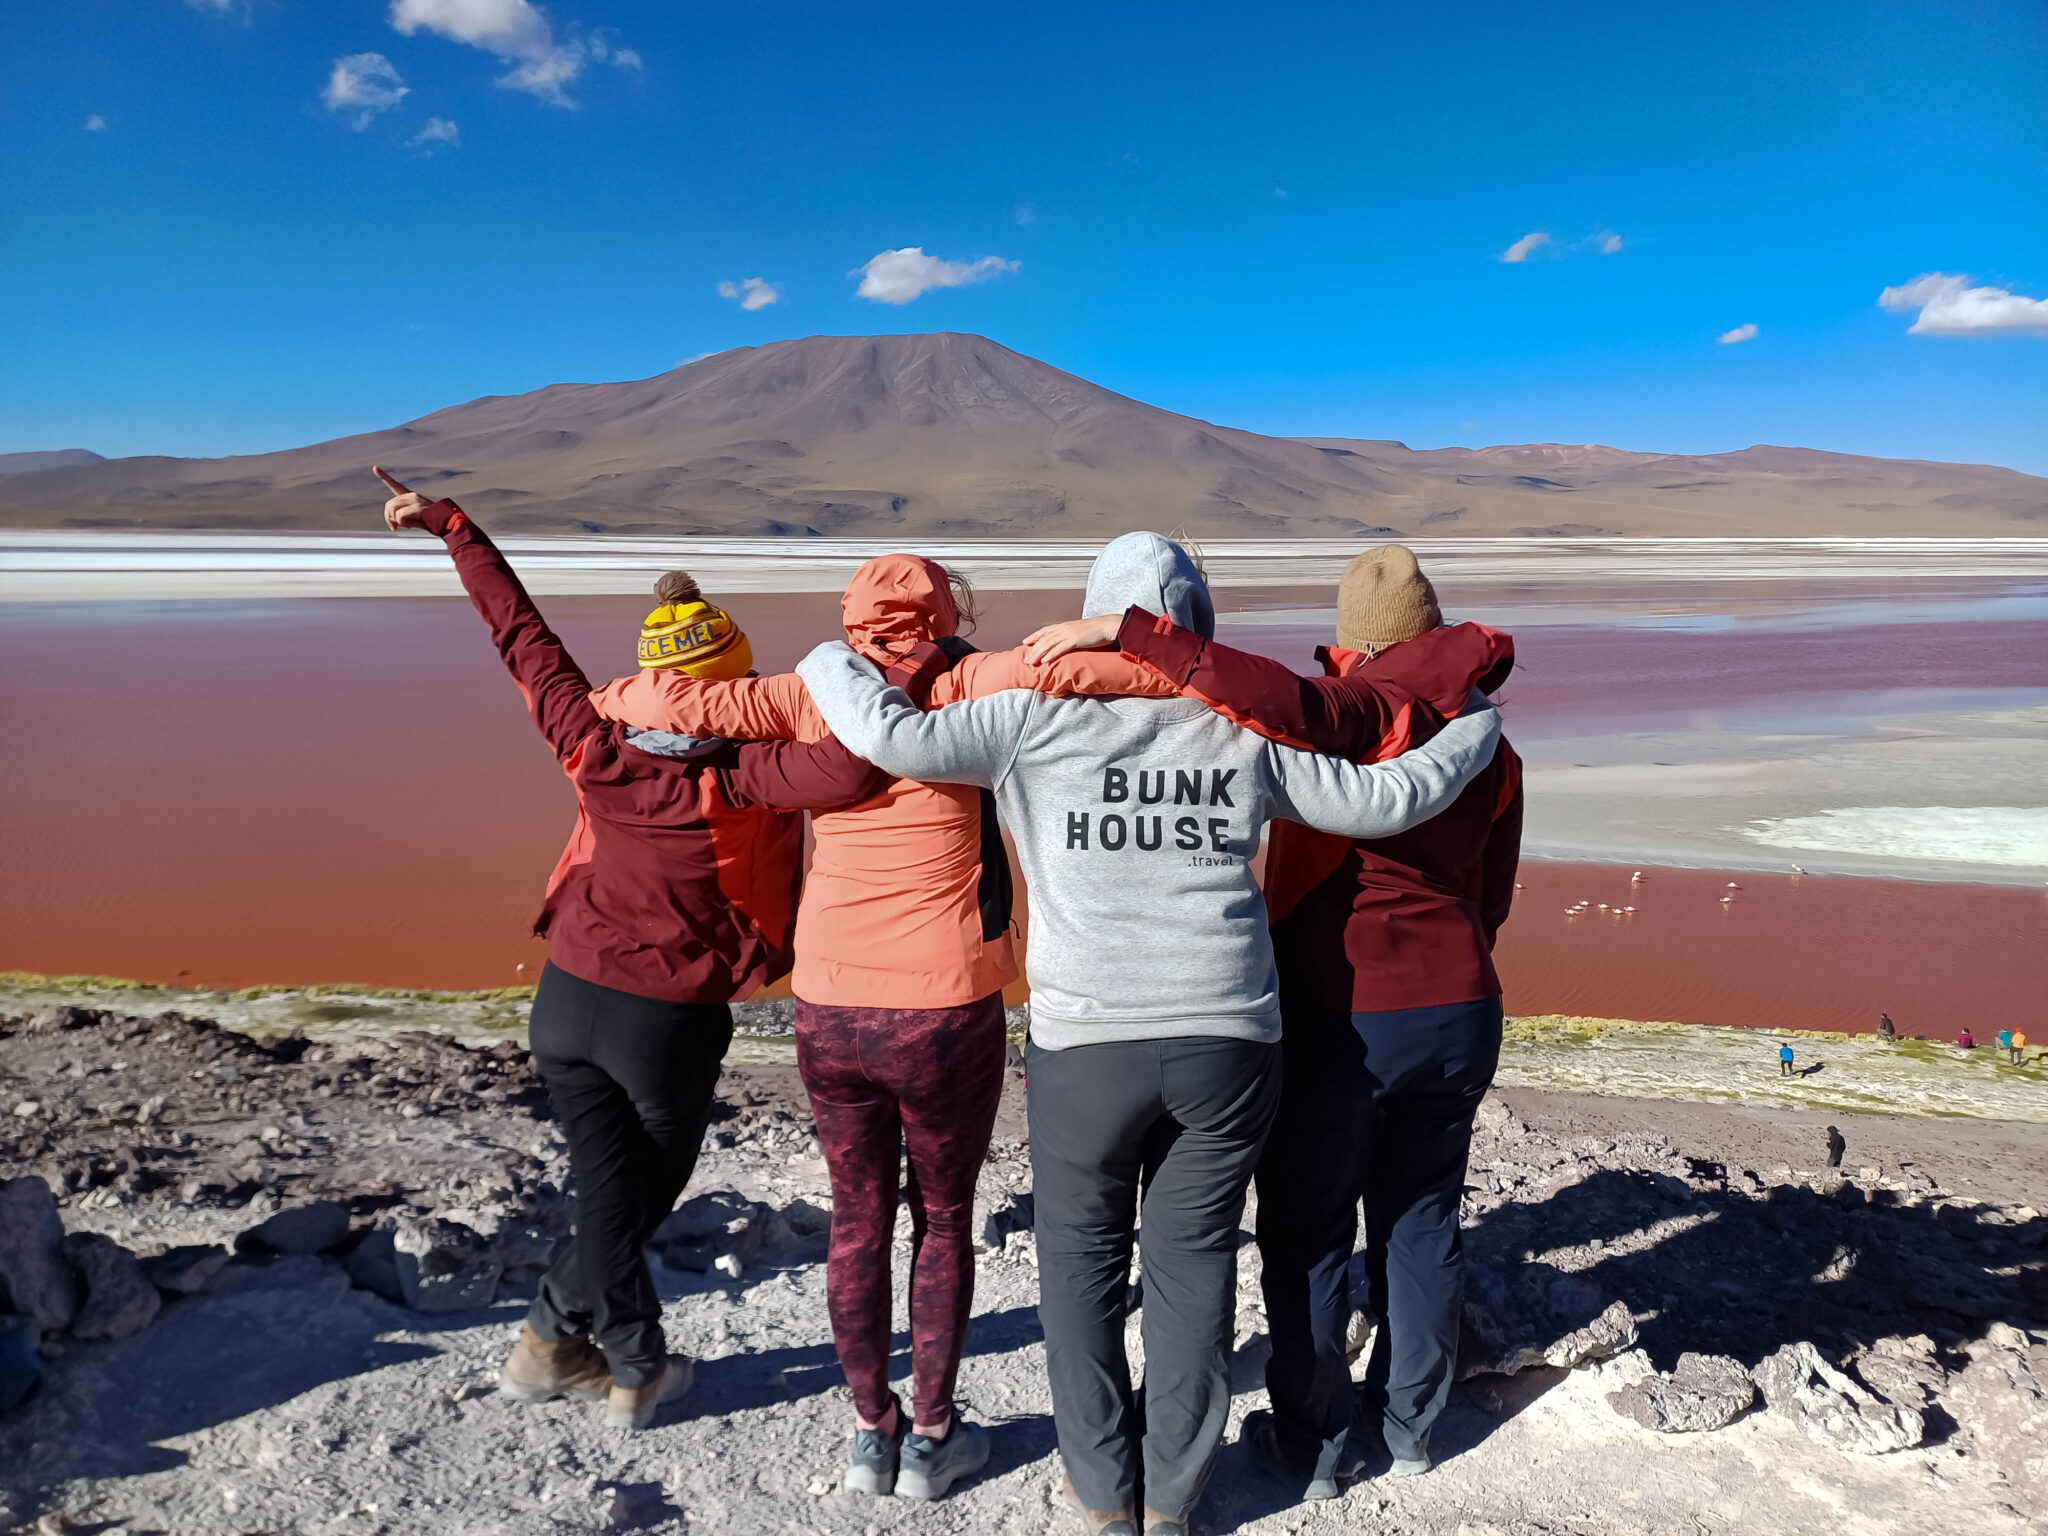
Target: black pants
[(1378, 1107), (631, 1078), (1186, 1118)]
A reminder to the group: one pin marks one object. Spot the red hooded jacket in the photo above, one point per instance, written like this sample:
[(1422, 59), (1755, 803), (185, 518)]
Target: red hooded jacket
[(680, 881), (1394, 922)]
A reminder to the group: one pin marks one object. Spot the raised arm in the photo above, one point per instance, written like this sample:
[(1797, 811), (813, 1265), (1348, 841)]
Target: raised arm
[(1380, 799), (743, 708), (1348, 716), (557, 693), (970, 743)]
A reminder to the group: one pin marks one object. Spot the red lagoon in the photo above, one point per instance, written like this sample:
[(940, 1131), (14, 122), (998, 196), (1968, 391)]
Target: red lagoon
[(300, 791)]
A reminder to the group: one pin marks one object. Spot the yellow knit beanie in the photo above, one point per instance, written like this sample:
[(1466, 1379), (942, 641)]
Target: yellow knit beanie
[(1384, 599), (687, 634)]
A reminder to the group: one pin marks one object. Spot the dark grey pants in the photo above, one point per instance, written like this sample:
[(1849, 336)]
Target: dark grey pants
[(1184, 1118)]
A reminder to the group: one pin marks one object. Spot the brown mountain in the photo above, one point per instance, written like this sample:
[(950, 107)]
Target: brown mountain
[(951, 435)]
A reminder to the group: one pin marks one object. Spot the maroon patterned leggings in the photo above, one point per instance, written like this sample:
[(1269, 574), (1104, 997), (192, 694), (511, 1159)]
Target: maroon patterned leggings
[(882, 1081)]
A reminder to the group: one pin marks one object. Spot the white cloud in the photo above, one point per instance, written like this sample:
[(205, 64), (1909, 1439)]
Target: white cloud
[(1609, 242), (1740, 333), (517, 33), (750, 292), (439, 130), (1520, 250), (897, 277), (362, 85), (95, 124), (1949, 306)]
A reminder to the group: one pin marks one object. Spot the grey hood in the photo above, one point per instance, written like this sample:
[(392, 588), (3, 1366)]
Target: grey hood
[(1153, 573)]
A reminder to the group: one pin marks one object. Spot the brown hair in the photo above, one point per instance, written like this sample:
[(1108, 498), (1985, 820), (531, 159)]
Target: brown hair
[(676, 587), (963, 599)]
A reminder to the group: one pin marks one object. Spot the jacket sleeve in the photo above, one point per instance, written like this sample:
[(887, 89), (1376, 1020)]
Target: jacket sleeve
[(741, 708), (797, 776), (1333, 794), (970, 743), (1344, 715), (1502, 855), (1079, 672), (557, 693)]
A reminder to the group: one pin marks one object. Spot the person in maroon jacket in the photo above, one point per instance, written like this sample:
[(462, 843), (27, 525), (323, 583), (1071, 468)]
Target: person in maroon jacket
[(1390, 1006), (675, 896)]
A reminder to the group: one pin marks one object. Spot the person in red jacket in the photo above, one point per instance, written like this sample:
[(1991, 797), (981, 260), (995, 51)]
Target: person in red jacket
[(1390, 1005), (675, 896)]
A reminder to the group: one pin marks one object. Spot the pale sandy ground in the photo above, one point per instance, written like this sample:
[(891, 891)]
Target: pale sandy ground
[(282, 1401), (74, 565)]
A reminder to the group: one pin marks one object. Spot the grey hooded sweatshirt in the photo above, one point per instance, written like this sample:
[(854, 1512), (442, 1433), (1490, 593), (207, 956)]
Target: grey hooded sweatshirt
[(1136, 819)]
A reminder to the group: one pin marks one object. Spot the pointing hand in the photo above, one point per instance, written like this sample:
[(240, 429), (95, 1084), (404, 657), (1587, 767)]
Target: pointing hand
[(405, 509)]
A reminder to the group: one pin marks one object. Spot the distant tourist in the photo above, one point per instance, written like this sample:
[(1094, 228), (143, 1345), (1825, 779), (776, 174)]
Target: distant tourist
[(1784, 1061), (903, 948), (2005, 1040), (2019, 1046), (1155, 1019), (1885, 1029), (1966, 1041), (1836, 1147), (645, 950), (1390, 1003)]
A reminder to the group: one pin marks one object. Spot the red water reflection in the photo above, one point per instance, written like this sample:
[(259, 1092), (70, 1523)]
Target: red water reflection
[(1781, 951), (226, 794)]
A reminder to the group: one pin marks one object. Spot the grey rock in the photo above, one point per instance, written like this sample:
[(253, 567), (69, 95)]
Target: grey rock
[(444, 1266), (520, 1245), (1525, 1315), (1901, 1370), (119, 1300), (1704, 1393), (185, 1271), (2000, 1404), (299, 1229), (1831, 1408), (1613, 1331), (34, 1279), (1020, 1215), (709, 1227), (21, 1368), (373, 1265)]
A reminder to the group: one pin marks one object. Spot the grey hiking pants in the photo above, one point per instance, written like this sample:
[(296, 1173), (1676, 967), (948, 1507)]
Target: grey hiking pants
[(1185, 1119)]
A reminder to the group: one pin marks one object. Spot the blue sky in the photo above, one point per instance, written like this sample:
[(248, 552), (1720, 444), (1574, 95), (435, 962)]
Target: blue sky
[(225, 232)]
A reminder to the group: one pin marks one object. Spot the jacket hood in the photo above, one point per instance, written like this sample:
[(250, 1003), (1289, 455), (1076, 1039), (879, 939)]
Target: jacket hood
[(895, 601), (1440, 666), (1153, 573)]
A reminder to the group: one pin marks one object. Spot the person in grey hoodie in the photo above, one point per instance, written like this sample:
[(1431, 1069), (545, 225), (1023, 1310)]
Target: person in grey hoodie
[(1153, 1060)]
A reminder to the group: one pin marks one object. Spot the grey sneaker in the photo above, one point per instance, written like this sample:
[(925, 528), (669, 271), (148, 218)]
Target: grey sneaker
[(930, 1467), (1409, 1466), (872, 1468), (1261, 1437)]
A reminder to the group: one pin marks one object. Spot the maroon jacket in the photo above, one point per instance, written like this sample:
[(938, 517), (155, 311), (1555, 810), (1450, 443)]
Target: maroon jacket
[(1393, 922), (680, 881)]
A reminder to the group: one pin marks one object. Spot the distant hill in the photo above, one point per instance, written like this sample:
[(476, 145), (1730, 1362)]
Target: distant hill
[(54, 458), (952, 435)]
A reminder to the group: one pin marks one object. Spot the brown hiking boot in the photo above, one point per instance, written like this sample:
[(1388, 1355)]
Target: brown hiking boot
[(635, 1407), (1096, 1522), (540, 1371)]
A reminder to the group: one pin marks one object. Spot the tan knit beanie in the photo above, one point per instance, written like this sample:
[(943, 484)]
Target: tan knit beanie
[(1384, 599)]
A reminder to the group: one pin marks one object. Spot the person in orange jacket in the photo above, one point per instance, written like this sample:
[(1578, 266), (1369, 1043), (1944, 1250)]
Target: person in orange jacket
[(903, 948)]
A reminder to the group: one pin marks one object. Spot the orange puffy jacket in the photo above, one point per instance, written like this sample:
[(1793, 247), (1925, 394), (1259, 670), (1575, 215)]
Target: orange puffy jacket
[(907, 901)]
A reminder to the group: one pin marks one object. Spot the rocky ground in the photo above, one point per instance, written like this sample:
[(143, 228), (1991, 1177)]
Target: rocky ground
[(268, 1282)]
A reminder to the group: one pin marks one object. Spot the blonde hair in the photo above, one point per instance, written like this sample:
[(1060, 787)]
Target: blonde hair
[(1191, 548)]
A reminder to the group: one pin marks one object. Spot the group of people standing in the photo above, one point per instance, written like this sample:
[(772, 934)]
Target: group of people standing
[(1328, 1035)]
